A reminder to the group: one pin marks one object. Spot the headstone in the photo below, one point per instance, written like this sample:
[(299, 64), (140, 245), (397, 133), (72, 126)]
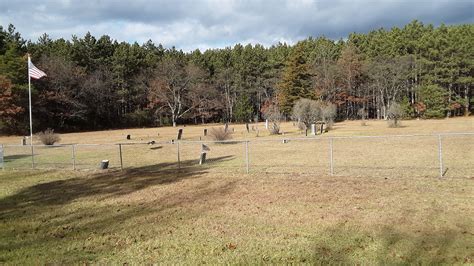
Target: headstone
[(266, 123), (226, 127), (322, 127), (202, 159), (128, 137), (104, 164), (313, 129), (204, 148), (180, 133), (23, 141), (247, 127), (205, 132)]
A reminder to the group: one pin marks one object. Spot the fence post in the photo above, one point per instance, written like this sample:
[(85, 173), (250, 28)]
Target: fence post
[(179, 159), (121, 158), (440, 156), (73, 157), (331, 157), (247, 162), (32, 157), (2, 155)]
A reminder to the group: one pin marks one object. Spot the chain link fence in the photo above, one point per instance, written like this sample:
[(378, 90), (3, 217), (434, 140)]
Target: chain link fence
[(444, 155)]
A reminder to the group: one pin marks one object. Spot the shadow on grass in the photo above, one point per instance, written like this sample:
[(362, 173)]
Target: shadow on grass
[(342, 244), (105, 184), (389, 245), (84, 218), (10, 158)]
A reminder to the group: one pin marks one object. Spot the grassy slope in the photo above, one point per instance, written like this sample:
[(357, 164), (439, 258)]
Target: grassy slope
[(201, 216), (139, 216)]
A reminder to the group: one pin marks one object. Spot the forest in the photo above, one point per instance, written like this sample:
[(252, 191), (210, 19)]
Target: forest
[(97, 83)]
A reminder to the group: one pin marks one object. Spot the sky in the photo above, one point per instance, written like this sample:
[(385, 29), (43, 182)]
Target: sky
[(203, 24)]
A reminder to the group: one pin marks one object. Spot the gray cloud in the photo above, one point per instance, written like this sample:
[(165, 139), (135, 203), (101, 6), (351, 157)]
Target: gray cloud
[(189, 24)]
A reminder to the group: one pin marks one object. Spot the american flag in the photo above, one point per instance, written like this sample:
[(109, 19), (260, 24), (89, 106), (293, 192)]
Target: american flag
[(33, 71)]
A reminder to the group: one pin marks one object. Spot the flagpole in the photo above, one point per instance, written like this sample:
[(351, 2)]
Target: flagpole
[(29, 96), (31, 117)]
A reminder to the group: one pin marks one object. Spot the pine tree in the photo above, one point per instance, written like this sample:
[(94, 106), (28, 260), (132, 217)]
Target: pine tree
[(295, 82), (434, 98)]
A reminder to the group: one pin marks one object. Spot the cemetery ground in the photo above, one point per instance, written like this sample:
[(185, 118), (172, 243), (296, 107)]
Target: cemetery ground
[(153, 213)]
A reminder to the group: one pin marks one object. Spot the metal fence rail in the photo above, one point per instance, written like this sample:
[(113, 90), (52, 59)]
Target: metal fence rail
[(444, 154)]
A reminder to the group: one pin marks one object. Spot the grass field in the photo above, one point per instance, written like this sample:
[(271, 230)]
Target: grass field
[(384, 206), (193, 132), (200, 217), (391, 156)]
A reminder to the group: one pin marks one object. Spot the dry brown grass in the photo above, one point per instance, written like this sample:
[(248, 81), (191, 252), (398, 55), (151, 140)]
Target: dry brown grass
[(194, 132), (141, 216), (390, 157)]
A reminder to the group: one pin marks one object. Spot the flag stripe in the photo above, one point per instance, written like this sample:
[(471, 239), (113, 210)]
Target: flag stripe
[(33, 71)]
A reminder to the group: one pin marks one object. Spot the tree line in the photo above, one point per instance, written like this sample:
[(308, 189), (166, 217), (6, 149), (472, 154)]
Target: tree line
[(100, 83)]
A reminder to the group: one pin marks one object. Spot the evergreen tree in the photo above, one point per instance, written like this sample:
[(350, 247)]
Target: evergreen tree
[(295, 82), (434, 99)]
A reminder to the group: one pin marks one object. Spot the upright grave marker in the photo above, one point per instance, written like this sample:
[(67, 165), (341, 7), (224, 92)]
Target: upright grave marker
[(313, 129), (180, 133)]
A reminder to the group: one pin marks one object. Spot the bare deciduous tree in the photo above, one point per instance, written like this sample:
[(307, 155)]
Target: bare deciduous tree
[(272, 113), (328, 113), (362, 113), (172, 85), (307, 111), (394, 114)]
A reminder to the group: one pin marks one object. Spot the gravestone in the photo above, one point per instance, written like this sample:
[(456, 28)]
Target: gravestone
[(128, 137), (313, 129), (205, 132), (322, 127), (23, 141), (204, 150), (266, 123), (180, 134), (247, 127), (202, 159), (226, 127), (104, 164)]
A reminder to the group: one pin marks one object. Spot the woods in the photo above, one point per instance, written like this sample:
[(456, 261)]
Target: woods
[(100, 83)]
